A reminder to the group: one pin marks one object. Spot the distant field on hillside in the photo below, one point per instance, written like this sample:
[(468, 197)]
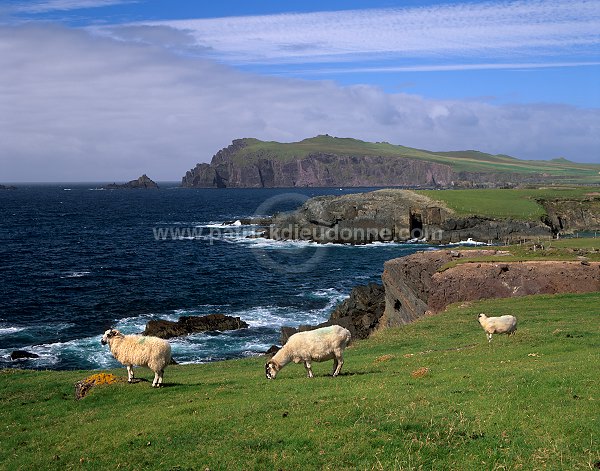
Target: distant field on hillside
[(508, 203), (429, 395), (571, 249), (467, 161)]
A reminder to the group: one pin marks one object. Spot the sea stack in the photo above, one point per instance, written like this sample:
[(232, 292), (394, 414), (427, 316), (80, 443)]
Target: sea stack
[(142, 183)]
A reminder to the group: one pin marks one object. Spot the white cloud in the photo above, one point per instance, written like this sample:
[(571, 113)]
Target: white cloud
[(491, 31), (61, 5), (77, 107)]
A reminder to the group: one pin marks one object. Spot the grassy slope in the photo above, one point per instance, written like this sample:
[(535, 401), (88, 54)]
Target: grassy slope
[(470, 161), (516, 204), (527, 402)]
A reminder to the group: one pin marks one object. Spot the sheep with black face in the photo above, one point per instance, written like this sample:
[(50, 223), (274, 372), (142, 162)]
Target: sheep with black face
[(139, 350), (326, 343)]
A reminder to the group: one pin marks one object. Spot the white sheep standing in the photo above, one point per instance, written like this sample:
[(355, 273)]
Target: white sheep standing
[(497, 325), (319, 345), (139, 350)]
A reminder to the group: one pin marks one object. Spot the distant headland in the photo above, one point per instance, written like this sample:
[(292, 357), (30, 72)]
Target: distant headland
[(326, 161)]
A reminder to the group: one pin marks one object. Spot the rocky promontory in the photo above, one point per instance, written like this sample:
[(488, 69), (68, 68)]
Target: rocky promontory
[(417, 284), (405, 215), (394, 215), (327, 161), (186, 325), (142, 183)]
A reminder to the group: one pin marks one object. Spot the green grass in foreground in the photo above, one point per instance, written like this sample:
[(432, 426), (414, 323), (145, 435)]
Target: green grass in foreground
[(527, 402), (516, 204)]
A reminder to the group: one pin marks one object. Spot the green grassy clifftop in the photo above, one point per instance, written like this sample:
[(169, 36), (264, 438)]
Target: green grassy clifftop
[(330, 161), (429, 395)]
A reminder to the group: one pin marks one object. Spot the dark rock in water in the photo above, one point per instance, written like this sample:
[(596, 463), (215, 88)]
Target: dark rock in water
[(193, 324), (22, 354), (142, 183), (273, 349), (7, 187), (359, 313)]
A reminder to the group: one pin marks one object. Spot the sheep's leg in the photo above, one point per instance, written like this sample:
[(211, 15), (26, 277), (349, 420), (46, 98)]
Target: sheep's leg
[(335, 365), (309, 372), (489, 336), (155, 383), (160, 377), (338, 363), (130, 373)]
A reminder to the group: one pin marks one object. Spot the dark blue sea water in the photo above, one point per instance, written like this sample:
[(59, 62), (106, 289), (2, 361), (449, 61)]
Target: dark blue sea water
[(75, 261)]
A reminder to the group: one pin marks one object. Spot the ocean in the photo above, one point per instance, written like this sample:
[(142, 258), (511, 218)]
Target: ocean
[(76, 260)]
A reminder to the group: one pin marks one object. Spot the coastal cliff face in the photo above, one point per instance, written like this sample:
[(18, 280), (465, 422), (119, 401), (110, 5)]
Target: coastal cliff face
[(314, 170), (567, 216), (414, 286), (327, 161)]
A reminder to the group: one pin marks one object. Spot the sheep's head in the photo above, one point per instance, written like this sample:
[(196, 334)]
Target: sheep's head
[(481, 317), (271, 369), (109, 334)]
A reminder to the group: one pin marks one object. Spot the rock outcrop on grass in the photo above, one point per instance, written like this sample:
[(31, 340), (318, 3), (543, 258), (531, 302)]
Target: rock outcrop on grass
[(414, 285)]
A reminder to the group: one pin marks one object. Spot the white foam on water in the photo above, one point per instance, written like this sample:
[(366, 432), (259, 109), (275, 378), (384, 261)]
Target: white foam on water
[(137, 324), (76, 274), (11, 330), (264, 243)]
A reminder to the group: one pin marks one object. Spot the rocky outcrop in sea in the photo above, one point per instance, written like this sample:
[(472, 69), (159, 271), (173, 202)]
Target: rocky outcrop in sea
[(186, 325), (360, 313), (142, 183)]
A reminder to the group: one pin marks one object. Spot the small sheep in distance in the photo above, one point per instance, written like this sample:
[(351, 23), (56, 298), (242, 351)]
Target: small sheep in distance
[(139, 350), (497, 325), (319, 345)]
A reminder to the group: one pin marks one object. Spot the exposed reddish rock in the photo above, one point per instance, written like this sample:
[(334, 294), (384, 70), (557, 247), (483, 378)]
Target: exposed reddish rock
[(414, 286)]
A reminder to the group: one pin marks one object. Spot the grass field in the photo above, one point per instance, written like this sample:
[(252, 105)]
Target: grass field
[(430, 395), (508, 203), (460, 161)]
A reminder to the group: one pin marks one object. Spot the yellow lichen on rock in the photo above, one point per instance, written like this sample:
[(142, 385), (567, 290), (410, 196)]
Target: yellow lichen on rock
[(83, 387)]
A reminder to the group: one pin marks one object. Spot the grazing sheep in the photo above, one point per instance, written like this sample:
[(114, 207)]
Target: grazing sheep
[(139, 350), (321, 344), (497, 325)]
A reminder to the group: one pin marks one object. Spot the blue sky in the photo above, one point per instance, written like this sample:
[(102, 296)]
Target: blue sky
[(512, 77)]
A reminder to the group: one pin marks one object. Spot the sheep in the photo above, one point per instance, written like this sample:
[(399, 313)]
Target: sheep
[(130, 350), (319, 345), (497, 325)]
